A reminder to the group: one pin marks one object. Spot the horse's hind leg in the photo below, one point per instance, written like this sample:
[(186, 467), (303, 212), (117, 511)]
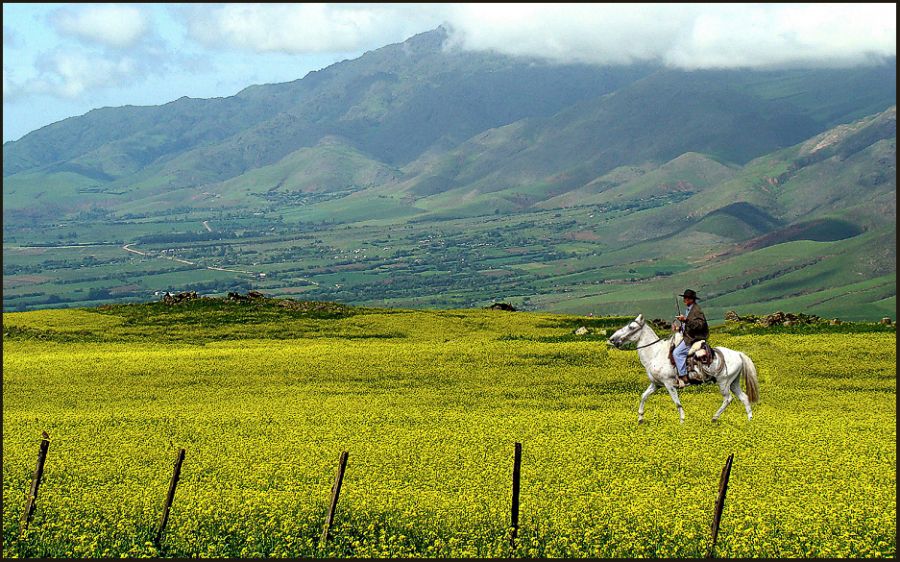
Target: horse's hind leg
[(726, 400), (736, 389), (650, 390)]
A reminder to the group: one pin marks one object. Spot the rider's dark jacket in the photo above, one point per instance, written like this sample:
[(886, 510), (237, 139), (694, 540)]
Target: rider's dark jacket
[(695, 326)]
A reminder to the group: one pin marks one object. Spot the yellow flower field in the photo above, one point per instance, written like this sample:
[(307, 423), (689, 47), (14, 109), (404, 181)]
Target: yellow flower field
[(429, 405)]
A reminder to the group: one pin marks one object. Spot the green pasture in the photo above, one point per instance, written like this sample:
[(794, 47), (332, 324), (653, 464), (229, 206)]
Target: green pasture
[(563, 268)]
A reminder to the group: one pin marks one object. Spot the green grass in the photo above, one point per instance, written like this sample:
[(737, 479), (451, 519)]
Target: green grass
[(353, 209), (21, 190)]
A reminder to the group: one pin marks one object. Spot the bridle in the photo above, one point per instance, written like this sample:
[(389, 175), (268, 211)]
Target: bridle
[(641, 325)]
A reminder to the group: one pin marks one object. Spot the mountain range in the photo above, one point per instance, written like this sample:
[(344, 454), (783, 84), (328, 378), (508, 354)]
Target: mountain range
[(704, 177)]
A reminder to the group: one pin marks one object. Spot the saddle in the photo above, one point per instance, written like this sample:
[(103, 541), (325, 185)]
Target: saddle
[(705, 353), (700, 354)]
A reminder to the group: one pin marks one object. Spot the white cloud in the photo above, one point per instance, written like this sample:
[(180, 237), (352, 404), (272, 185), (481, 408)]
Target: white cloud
[(115, 47), (679, 35), (70, 73), (307, 28), (117, 26), (683, 35)]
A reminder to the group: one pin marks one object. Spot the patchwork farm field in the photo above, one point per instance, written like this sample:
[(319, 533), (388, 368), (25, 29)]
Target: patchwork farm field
[(264, 398)]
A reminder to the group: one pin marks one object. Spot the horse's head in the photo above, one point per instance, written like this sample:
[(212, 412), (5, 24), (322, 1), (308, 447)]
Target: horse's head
[(628, 333)]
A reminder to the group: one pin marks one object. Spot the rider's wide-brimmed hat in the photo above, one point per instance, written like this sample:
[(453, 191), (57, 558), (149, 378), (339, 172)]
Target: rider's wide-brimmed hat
[(690, 293)]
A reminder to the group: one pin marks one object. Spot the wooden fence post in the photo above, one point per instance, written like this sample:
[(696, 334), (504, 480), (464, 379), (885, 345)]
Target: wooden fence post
[(720, 503), (31, 497), (169, 498), (335, 492), (517, 465)]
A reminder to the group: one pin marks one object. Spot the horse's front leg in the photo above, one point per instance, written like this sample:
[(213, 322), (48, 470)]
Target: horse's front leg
[(670, 386), (650, 390)]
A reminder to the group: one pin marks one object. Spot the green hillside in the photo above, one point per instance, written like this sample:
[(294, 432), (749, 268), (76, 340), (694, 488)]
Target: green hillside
[(419, 175), (687, 174), (394, 103)]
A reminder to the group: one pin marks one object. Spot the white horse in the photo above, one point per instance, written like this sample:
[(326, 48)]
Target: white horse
[(653, 352)]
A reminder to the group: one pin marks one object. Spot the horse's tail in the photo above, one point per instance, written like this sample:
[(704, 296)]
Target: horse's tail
[(751, 382)]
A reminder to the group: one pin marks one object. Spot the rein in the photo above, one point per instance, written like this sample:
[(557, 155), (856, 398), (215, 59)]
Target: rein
[(649, 344), (646, 344)]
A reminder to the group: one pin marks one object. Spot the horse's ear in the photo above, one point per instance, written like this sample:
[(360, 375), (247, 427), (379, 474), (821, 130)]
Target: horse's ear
[(639, 319)]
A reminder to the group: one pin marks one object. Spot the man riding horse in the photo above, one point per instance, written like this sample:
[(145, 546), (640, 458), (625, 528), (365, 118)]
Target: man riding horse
[(693, 327)]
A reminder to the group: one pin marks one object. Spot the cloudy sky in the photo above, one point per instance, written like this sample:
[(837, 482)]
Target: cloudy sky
[(61, 60)]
